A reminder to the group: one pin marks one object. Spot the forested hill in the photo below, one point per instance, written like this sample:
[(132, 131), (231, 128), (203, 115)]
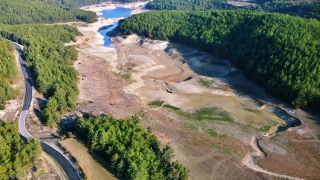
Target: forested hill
[(8, 72), (133, 152), (79, 3), (51, 64), (306, 10), (16, 156), (30, 11), (279, 51)]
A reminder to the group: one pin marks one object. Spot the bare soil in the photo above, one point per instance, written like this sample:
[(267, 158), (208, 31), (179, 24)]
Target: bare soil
[(102, 87), (122, 80), (91, 164)]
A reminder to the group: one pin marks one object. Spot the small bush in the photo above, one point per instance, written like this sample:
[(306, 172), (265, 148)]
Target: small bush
[(205, 82), (190, 126), (212, 133)]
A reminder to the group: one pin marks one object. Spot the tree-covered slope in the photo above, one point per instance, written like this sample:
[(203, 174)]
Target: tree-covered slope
[(133, 152), (29, 11), (16, 156), (8, 72), (279, 51), (306, 10), (189, 5), (79, 3), (51, 64)]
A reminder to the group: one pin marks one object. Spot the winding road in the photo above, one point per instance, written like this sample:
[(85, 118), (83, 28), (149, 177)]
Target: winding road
[(64, 162)]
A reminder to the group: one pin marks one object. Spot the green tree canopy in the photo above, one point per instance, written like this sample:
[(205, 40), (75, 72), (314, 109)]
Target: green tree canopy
[(279, 51), (29, 11), (132, 152), (8, 72), (16, 156)]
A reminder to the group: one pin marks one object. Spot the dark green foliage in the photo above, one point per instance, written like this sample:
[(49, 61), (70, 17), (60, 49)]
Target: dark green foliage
[(29, 11), (8, 72), (189, 5), (50, 62), (279, 51), (16, 156), (79, 3), (306, 10), (134, 153)]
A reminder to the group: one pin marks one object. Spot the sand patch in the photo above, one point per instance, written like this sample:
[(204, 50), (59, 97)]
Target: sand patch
[(138, 7)]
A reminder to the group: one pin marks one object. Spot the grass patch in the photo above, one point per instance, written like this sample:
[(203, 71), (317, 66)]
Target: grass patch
[(190, 126), (126, 76), (253, 110), (265, 128), (92, 164), (155, 103), (205, 82), (212, 133), (171, 107), (210, 114)]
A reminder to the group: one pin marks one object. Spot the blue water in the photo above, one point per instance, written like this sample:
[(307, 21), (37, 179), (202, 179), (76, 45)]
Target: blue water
[(113, 13)]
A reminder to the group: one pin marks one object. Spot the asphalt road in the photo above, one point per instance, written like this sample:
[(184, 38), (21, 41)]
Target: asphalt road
[(56, 154)]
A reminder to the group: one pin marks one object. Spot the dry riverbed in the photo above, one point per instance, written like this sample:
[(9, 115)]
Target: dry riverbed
[(125, 79)]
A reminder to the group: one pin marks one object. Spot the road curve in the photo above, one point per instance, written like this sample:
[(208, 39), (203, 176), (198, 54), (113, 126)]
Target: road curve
[(57, 155)]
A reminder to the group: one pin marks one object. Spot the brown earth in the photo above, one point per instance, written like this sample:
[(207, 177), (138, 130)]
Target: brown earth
[(302, 148), (103, 90), (155, 72), (122, 80), (91, 164)]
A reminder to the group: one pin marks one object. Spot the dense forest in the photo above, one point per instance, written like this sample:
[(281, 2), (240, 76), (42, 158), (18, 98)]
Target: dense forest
[(279, 51), (29, 11), (306, 10), (16, 155), (79, 3), (133, 152), (51, 64), (8, 72)]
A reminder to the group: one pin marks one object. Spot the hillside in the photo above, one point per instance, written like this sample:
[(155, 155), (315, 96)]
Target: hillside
[(79, 3), (29, 11), (50, 62), (306, 10), (17, 156), (276, 50), (8, 73)]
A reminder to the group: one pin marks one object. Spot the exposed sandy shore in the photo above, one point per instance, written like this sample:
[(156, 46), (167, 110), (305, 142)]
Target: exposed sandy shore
[(137, 7), (123, 79)]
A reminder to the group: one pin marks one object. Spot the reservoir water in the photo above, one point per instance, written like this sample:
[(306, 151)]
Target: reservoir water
[(113, 13)]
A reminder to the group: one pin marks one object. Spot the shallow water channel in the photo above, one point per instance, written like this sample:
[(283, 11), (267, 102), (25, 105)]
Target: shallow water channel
[(113, 13)]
